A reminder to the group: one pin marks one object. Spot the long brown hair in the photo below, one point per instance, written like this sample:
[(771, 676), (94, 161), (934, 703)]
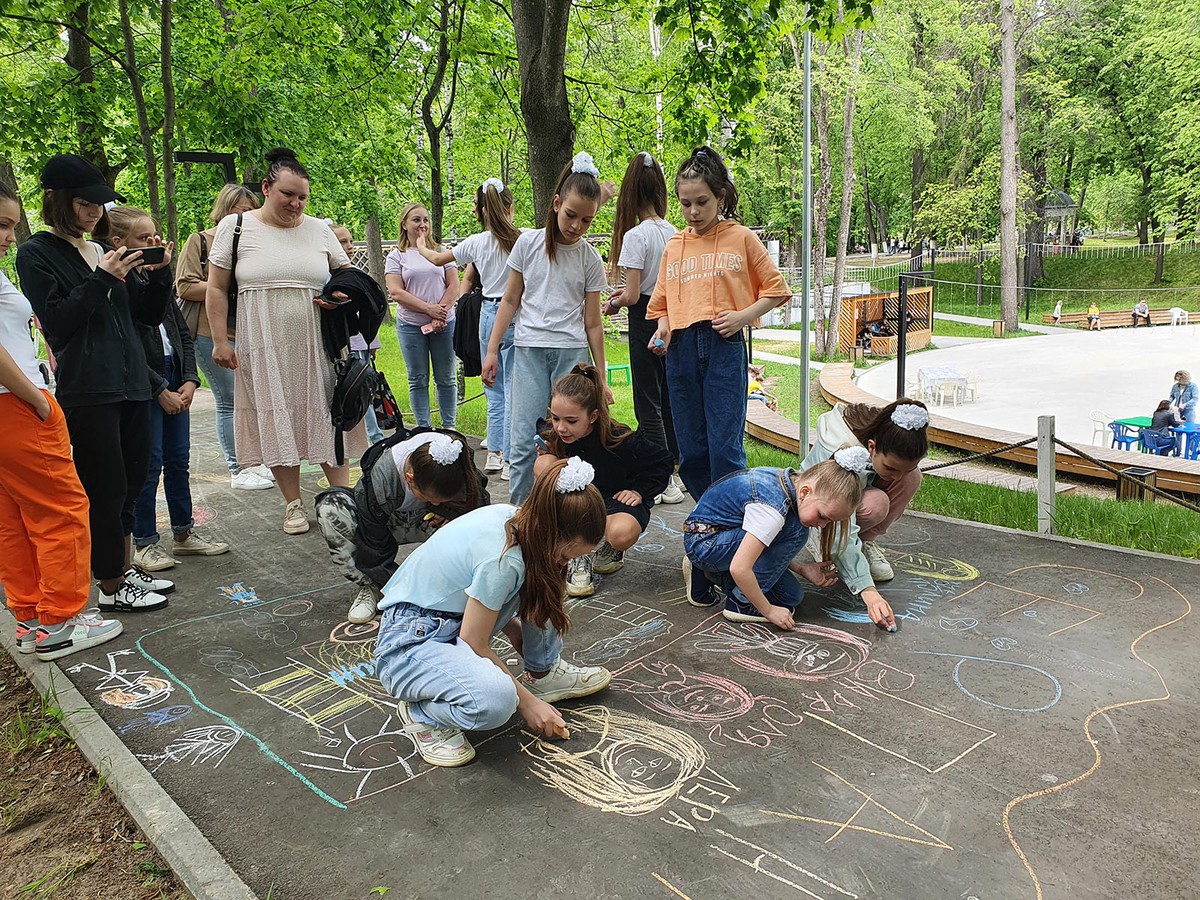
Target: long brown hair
[(584, 386), (457, 483), (643, 187), (870, 423), (830, 481), (569, 182), (545, 521), (491, 209)]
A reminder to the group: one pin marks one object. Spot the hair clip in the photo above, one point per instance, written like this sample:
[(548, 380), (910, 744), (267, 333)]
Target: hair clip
[(576, 475), (647, 160), (445, 449), (910, 417), (583, 163), (494, 183), (853, 459)]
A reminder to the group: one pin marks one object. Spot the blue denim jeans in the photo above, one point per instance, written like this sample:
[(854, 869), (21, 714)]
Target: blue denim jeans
[(499, 397), (535, 369), (714, 553), (374, 432), (170, 452), (418, 350), (220, 382), (419, 659), (706, 376)]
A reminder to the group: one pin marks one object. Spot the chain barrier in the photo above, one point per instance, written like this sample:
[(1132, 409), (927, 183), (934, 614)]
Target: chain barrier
[(1145, 487), (983, 455)]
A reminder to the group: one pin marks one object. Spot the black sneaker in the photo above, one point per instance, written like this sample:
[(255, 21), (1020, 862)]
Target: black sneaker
[(701, 592), (148, 582), (131, 597)]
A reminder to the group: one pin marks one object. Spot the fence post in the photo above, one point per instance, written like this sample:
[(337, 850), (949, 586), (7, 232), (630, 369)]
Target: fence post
[(1046, 476)]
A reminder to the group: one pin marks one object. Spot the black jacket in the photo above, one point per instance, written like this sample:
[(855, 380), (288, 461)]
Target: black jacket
[(635, 464), (88, 318), (180, 336), (362, 314)]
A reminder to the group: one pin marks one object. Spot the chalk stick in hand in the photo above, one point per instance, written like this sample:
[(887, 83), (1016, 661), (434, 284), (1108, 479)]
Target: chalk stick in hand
[(564, 733)]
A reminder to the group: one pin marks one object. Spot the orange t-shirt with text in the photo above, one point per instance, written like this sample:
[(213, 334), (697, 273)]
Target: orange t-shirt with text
[(724, 270)]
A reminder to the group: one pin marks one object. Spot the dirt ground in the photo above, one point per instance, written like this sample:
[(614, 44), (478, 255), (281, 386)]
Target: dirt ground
[(62, 833)]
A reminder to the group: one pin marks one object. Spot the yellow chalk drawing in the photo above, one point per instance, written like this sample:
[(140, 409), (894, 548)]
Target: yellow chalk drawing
[(868, 801), (670, 887), (927, 565), (616, 761)]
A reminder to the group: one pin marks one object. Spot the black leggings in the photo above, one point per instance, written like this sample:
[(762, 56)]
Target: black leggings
[(651, 402), (111, 447)]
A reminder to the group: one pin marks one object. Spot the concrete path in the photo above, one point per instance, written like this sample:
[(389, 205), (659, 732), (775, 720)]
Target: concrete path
[(987, 323), (998, 745)]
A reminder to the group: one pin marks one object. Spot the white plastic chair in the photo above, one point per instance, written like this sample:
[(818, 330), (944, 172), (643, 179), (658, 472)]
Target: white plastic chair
[(1099, 427), (971, 388), (950, 388), (1178, 316)]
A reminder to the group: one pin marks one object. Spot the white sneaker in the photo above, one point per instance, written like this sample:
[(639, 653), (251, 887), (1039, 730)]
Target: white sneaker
[(365, 605), (483, 445), (495, 462), (566, 681), (881, 569), (263, 472), (295, 519), (673, 494), (26, 635), (506, 472), (77, 633), (581, 582), (153, 558), (447, 747), (130, 598), (246, 480), (195, 545), (140, 577)]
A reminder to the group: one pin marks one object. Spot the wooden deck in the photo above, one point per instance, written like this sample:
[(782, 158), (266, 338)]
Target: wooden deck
[(1173, 473)]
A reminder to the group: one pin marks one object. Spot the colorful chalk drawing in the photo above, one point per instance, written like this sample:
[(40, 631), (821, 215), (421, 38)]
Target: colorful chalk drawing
[(370, 756), (127, 689), (616, 761), (204, 746), (1042, 688), (808, 653), (237, 594), (155, 717), (623, 643), (930, 566), (1048, 616)]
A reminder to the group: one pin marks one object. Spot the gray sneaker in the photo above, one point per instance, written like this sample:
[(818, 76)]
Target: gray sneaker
[(77, 633), (153, 558), (881, 569), (606, 559)]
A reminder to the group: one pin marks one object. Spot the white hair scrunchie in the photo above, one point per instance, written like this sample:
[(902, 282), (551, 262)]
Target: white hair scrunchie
[(910, 417), (576, 475), (494, 183), (444, 449), (853, 459), (647, 160), (583, 163)]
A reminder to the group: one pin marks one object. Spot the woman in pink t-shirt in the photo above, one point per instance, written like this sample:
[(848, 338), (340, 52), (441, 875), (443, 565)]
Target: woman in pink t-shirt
[(425, 295)]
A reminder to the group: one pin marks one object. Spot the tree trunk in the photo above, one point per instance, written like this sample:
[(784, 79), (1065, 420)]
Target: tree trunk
[(869, 216), (9, 178), (1082, 196), (915, 249), (88, 114), (541, 33), (433, 129), (853, 49), (168, 137), (821, 196), (1143, 227), (1008, 166), (374, 238), (149, 152)]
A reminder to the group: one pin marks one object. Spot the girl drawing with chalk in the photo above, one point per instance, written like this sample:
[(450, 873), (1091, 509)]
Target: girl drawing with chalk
[(746, 530), (896, 438), (496, 569)]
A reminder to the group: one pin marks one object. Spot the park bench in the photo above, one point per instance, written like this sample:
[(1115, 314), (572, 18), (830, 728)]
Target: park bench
[(1111, 318)]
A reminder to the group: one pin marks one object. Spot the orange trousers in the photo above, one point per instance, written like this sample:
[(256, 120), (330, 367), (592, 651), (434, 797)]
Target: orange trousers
[(45, 545)]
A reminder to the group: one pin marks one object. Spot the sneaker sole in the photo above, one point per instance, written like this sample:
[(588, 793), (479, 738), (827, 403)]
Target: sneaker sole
[(732, 616), (180, 552), (76, 646), (447, 763), (665, 502), (252, 487), (609, 568), (23, 648), (883, 576), (358, 619), (161, 567), (556, 696), (296, 529), (117, 610), (580, 592)]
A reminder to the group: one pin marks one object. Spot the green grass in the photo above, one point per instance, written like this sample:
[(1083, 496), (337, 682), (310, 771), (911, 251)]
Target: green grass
[(947, 328)]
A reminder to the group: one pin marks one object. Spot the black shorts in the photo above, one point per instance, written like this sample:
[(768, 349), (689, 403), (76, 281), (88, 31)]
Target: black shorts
[(641, 513)]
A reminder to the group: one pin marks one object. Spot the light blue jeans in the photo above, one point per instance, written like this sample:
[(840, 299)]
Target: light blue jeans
[(418, 349), (419, 659), (499, 398), (535, 369), (374, 432), (220, 382)]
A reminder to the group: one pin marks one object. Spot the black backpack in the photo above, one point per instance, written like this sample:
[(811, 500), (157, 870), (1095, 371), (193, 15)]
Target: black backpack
[(352, 393)]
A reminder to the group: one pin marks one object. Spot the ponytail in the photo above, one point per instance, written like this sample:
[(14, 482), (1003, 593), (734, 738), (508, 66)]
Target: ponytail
[(705, 164), (870, 423), (491, 209), (579, 176), (643, 187), (829, 480), (584, 386), (547, 520)]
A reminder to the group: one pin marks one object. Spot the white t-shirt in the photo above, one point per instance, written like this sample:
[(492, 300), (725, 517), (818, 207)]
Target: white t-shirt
[(400, 454), (763, 521), (643, 249), (551, 312), (166, 341), (490, 260), (15, 313)]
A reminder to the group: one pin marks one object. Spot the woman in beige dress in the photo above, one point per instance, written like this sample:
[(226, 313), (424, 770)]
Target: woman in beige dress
[(284, 379)]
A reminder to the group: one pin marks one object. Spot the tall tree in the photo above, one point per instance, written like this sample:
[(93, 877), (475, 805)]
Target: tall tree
[(1009, 166)]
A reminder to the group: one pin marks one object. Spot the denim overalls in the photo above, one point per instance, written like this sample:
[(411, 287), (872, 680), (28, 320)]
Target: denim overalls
[(723, 507)]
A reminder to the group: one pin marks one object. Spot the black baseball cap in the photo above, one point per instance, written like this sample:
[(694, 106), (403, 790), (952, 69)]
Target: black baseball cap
[(69, 172)]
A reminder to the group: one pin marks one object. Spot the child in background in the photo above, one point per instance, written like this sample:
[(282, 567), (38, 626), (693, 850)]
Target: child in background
[(171, 369), (496, 569), (897, 439), (1057, 311), (44, 540), (358, 346), (716, 278), (640, 235), (631, 469), (1093, 316), (748, 527), (554, 291), (406, 492), (488, 252)]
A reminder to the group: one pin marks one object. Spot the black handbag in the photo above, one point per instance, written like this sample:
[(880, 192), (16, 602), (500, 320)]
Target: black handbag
[(233, 286), (387, 410)]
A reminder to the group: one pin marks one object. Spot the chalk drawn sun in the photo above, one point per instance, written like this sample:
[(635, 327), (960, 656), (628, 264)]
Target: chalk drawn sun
[(371, 756)]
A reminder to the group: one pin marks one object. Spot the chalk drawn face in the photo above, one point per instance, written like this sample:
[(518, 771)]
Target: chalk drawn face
[(642, 765), (145, 691), (809, 653), (686, 696)]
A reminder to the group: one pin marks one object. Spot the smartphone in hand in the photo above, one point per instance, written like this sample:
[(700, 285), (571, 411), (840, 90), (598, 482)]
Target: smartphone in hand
[(151, 256)]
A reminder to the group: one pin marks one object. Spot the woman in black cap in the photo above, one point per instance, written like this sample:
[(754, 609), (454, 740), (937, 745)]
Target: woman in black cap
[(87, 308)]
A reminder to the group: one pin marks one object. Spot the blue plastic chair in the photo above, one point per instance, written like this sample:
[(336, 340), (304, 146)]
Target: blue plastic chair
[(1156, 442), (1122, 440)]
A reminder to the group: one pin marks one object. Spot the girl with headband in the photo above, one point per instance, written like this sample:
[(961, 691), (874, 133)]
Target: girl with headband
[(497, 569), (897, 439), (742, 539), (407, 490)]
